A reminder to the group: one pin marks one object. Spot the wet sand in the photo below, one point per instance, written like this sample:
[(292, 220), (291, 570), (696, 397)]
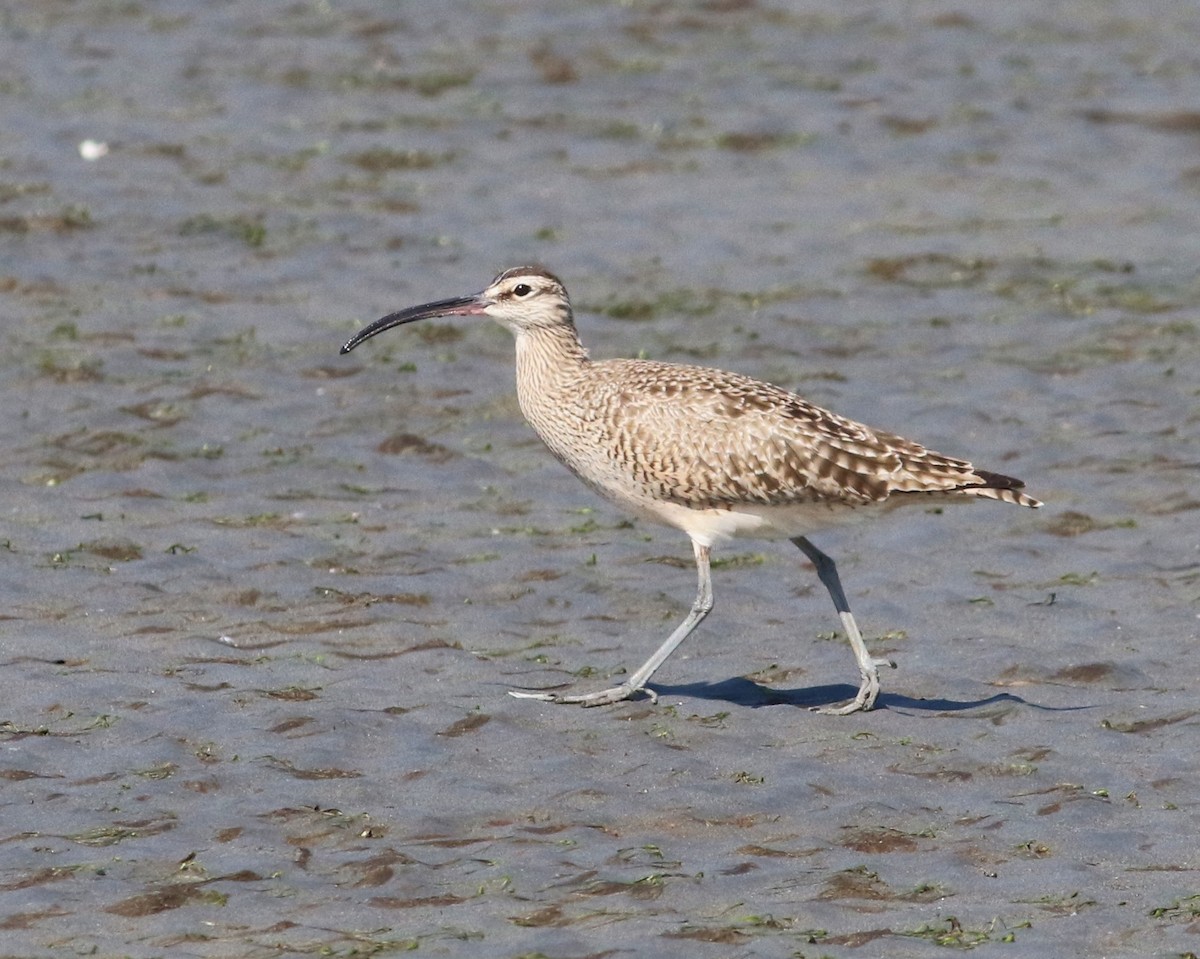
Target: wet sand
[(262, 603)]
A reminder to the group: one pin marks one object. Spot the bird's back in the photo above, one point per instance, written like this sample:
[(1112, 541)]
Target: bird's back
[(706, 439)]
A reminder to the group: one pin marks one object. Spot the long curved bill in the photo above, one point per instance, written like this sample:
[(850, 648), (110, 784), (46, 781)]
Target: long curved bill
[(473, 305)]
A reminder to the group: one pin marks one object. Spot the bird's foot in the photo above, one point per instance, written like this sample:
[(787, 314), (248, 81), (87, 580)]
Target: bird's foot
[(859, 704), (867, 693), (605, 697)]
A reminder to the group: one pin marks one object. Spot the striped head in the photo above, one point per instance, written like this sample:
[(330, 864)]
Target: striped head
[(522, 298)]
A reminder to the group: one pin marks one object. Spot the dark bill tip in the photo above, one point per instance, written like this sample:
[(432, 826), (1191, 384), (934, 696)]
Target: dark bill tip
[(458, 306)]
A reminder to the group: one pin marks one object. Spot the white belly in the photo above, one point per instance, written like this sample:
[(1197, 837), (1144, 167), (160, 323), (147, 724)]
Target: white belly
[(710, 527)]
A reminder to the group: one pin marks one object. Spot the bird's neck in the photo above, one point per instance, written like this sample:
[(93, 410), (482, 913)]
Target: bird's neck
[(549, 354), (549, 360)]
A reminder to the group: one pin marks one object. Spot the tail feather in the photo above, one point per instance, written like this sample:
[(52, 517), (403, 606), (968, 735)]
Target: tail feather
[(997, 486)]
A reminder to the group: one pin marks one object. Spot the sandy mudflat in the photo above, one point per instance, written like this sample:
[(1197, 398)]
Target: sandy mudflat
[(262, 603)]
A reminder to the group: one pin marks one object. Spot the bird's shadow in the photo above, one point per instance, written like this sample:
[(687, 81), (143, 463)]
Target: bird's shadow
[(739, 691)]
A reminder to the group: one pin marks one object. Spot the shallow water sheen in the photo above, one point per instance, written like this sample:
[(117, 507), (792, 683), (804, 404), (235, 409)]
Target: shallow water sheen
[(262, 602)]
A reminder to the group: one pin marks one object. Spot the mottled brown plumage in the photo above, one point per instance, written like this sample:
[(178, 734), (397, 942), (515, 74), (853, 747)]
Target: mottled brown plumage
[(713, 453)]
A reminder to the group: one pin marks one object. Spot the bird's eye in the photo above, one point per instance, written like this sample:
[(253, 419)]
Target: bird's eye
[(522, 289)]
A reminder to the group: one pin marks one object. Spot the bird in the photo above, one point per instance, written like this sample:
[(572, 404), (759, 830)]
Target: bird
[(715, 454)]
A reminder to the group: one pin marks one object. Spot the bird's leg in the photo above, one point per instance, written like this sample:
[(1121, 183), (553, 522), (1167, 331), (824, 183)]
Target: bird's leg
[(637, 682), (867, 666)]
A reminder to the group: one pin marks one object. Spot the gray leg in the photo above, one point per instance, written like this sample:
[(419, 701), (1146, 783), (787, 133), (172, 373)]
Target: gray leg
[(637, 682), (867, 666)]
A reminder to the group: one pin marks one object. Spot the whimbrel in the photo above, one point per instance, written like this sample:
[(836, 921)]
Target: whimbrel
[(715, 454)]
